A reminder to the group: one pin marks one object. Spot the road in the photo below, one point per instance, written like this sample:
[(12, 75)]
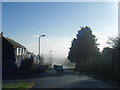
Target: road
[(66, 79)]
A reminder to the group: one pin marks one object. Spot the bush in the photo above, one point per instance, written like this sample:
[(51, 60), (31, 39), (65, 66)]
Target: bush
[(9, 68), (26, 63), (25, 66)]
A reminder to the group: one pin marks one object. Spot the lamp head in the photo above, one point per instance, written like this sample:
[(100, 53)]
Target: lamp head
[(42, 35)]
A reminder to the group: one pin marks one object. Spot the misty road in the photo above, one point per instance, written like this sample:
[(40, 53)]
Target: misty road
[(66, 79)]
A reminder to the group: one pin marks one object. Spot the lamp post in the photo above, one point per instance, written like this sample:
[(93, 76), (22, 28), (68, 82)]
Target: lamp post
[(39, 47), (49, 57)]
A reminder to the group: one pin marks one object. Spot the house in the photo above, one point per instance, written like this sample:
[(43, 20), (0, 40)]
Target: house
[(12, 55)]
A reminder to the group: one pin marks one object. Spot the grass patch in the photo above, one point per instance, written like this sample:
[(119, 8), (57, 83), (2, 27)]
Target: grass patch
[(18, 85), (0, 86)]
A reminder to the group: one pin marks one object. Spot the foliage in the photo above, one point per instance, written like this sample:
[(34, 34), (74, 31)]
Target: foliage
[(26, 63), (83, 47), (88, 59), (115, 43)]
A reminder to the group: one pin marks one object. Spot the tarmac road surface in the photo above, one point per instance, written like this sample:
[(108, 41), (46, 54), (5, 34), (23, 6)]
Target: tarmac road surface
[(66, 79)]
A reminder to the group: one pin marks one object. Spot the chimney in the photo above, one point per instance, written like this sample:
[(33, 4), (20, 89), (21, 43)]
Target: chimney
[(1, 34)]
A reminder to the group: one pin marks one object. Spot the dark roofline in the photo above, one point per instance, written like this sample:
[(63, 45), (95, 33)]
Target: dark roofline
[(14, 43)]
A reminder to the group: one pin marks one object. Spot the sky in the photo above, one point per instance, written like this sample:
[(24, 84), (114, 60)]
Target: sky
[(0, 16), (59, 21), (119, 17)]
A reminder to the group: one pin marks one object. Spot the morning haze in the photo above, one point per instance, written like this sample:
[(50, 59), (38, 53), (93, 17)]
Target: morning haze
[(60, 40)]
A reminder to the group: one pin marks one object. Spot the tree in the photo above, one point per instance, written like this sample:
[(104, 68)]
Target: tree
[(83, 47), (115, 44)]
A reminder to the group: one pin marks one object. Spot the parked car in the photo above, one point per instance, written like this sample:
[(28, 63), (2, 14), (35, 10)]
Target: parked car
[(58, 67)]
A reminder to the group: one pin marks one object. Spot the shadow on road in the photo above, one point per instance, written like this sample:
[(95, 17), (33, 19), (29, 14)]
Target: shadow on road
[(89, 84), (50, 73)]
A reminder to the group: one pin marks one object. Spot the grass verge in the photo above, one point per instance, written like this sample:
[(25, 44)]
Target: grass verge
[(18, 85)]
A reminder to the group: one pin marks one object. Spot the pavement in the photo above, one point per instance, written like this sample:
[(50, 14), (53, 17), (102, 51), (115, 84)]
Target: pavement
[(66, 79)]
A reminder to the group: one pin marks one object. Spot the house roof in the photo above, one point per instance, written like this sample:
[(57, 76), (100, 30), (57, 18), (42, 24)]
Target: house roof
[(14, 43), (11, 41)]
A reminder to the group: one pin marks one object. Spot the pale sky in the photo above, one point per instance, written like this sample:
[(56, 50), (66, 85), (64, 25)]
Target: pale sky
[(59, 21)]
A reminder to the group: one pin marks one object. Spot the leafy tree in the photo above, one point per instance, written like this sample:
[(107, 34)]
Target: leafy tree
[(83, 47), (115, 43)]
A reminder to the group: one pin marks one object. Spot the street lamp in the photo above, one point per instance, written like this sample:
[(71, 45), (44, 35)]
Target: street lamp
[(49, 57), (39, 46)]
